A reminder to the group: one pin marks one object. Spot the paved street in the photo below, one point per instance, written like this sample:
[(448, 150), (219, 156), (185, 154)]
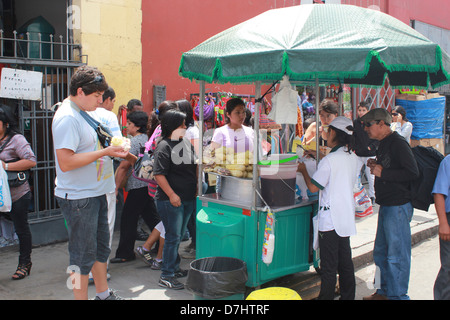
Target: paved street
[(137, 281), (425, 266)]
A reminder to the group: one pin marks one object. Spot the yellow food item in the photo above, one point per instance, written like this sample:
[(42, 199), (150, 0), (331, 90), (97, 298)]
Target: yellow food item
[(239, 167), (237, 173), (117, 141)]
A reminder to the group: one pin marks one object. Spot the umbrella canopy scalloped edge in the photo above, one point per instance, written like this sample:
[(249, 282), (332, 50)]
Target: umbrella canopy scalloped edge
[(325, 77)]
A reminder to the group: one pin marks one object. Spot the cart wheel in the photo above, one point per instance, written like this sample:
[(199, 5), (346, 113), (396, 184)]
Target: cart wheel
[(318, 270)]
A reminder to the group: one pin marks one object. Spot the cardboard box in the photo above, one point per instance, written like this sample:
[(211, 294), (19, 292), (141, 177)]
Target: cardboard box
[(418, 97), (438, 144)]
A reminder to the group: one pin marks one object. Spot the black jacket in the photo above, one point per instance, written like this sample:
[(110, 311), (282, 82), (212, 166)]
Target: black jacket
[(400, 169)]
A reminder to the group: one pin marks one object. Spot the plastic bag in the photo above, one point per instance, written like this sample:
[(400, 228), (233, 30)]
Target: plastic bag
[(217, 277), (363, 204), (5, 194), (269, 238)]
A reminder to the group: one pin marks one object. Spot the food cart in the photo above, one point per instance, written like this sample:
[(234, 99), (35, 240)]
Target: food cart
[(312, 44)]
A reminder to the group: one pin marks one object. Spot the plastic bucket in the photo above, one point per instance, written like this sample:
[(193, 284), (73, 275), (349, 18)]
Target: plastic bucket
[(278, 184)]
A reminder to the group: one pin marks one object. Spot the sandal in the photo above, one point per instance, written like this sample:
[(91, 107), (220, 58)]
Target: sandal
[(22, 271)]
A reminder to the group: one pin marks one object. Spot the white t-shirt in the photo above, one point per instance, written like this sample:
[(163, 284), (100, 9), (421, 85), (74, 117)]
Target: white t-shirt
[(192, 132), (71, 131), (336, 176), (108, 119)]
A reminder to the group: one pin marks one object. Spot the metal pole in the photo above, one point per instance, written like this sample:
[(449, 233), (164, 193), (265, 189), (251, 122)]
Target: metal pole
[(317, 119), (256, 144), (200, 138)]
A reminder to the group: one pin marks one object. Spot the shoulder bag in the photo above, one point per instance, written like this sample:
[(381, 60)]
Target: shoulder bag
[(103, 133), (15, 178)]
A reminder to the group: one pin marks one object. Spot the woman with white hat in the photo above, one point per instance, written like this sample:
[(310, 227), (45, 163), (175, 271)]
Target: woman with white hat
[(335, 177)]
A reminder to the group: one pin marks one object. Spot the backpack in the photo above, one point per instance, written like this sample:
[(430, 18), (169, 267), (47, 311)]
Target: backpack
[(428, 160)]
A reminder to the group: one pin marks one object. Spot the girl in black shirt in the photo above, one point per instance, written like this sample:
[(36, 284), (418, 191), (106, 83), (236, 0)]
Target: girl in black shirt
[(175, 172)]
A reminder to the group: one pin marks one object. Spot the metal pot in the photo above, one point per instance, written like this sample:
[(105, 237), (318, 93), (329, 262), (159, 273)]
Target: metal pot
[(236, 189)]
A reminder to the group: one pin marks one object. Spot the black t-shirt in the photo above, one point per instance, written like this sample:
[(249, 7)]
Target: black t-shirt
[(176, 161), (394, 154)]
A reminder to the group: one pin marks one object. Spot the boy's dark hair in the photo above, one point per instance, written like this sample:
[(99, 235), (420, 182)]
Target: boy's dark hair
[(132, 103), (364, 104), (89, 79), (140, 119), (109, 93), (171, 120)]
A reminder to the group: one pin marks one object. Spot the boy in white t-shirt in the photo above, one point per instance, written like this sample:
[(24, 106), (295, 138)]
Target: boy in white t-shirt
[(83, 180)]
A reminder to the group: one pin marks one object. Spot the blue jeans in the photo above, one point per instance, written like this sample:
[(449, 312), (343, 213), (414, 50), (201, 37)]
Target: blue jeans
[(175, 220), (392, 251), (88, 229)]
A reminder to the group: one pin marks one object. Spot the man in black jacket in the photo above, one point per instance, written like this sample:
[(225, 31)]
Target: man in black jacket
[(394, 168), (364, 147)]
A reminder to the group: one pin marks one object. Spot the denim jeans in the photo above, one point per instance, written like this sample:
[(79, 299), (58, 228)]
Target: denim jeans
[(88, 229), (392, 251), (442, 284), (175, 220)]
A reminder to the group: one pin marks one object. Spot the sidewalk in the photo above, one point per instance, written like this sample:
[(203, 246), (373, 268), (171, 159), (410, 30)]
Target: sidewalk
[(137, 281)]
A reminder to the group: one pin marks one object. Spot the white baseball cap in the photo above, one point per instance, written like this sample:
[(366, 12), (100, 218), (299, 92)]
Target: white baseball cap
[(343, 124)]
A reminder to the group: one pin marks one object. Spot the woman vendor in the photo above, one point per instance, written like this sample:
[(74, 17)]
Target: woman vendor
[(335, 177), (234, 134)]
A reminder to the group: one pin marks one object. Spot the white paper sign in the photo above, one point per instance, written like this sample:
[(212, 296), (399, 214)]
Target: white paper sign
[(21, 84)]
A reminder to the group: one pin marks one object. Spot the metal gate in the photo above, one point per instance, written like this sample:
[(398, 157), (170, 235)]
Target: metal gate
[(35, 117)]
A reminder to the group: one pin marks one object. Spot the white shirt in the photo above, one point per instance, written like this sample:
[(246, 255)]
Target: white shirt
[(241, 139), (71, 131), (336, 176), (404, 130)]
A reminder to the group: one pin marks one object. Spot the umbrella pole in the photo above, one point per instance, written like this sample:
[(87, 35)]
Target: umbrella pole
[(317, 119), (200, 139), (256, 144)]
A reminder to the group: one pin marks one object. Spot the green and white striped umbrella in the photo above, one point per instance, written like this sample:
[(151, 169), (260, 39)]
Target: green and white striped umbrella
[(336, 43)]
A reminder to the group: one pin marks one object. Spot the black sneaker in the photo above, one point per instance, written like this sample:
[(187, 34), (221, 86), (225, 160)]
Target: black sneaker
[(170, 283), (144, 255)]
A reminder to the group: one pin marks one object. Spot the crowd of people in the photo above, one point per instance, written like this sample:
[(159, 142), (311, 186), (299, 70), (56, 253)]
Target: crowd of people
[(380, 141), (91, 176)]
